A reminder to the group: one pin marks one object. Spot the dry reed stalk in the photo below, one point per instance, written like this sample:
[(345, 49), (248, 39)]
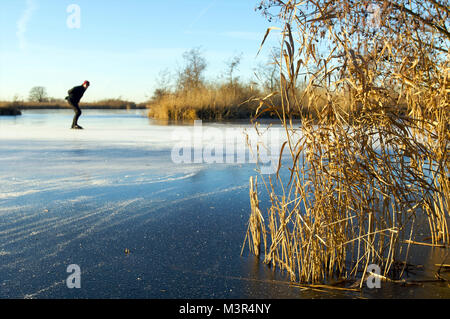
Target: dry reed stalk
[(375, 157)]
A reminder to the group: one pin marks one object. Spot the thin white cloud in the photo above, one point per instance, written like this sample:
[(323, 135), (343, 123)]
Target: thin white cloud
[(22, 23), (200, 15), (243, 35)]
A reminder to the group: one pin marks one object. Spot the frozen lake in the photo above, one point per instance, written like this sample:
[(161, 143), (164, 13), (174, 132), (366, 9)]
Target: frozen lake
[(116, 200), (84, 197)]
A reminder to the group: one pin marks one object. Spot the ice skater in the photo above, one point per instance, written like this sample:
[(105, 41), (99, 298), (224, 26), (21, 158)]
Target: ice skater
[(74, 97)]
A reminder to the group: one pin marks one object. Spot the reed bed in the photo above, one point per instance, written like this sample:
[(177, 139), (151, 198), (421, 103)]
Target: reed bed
[(213, 102), (373, 163)]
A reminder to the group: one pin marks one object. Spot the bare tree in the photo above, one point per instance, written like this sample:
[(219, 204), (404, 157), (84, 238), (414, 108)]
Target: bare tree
[(163, 84), (38, 94), (267, 74), (191, 74), (232, 66)]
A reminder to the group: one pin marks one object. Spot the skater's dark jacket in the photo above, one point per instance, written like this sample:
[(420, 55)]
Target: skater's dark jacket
[(75, 94)]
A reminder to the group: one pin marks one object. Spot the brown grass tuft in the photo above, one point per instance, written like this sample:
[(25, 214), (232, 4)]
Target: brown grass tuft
[(373, 165)]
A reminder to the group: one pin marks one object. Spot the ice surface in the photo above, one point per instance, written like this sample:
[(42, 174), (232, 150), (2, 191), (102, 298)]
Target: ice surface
[(39, 153), (83, 196)]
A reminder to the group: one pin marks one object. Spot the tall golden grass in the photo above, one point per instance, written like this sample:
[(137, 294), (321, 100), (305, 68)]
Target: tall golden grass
[(209, 102), (374, 162), (225, 102)]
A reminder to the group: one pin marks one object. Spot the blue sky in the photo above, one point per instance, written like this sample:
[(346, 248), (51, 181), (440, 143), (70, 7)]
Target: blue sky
[(121, 46)]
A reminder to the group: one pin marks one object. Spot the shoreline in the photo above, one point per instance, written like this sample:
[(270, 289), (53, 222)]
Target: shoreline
[(82, 106), (60, 105), (9, 111), (17, 110)]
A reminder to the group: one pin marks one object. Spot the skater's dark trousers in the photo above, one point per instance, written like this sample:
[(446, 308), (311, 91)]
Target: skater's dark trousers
[(77, 110)]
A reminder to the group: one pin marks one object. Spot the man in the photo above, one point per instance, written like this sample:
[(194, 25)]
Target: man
[(75, 95)]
